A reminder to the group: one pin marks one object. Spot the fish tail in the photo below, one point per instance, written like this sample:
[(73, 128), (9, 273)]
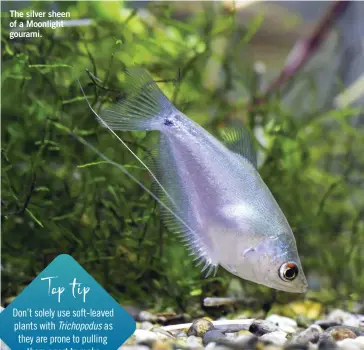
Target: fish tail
[(145, 107)]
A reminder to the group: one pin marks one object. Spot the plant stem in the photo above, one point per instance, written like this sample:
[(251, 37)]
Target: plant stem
[(305, 48)]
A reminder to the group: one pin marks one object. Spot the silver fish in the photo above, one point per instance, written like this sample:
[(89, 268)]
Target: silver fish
[(211, 192)]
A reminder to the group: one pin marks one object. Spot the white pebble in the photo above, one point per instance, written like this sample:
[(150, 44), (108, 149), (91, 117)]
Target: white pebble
[(350, 344), (146, 325), (143, 336), (231, 335), (193, 342), (343, 317), (180, 334), (244, 338), (277, 338), (360, 340), (146, 316), (210, 346), (286, 324)]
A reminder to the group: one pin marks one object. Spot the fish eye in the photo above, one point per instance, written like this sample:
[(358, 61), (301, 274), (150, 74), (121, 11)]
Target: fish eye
[(288, 271)]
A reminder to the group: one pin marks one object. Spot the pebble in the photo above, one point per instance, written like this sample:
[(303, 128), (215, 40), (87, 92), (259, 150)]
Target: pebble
[(296, 347), (214, 346), (146, 316), (162, 334), (274, 333), (302, 321), (161, 346), (231, 335), (145, 337), (210, 346), (344, 318), (170, 318), (277, 337), (324, 324), (350, 344), (243, 332), (181, 340), (194, 342), (361, 321), (327, 344), (360, 339), (311, 334), (260, 327), (179, 344), (213, 336), (285, 324), (358, 307), (200, 327), (342, 332), (232, 328), (271, 347), (181, 334), (133, 311), (247, 341), (146, 325), (338, 315), (354, 321)]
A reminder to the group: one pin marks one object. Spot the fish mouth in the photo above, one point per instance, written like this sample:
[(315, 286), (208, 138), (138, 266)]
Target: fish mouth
[(300, 288)]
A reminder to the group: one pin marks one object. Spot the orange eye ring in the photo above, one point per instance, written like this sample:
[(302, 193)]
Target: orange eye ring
[(288, 271)]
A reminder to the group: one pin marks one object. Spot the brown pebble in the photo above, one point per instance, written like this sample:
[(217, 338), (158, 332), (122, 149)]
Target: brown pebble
[(161, 346), (342, 333)]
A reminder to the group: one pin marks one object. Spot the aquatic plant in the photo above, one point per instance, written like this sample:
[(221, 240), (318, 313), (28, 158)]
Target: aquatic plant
[(59, 197)]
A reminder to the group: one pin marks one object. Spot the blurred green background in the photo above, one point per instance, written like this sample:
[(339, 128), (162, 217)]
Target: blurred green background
[(54, 201)]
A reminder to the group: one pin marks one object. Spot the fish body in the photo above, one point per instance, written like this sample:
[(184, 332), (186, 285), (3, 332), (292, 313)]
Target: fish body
[(214, 193)]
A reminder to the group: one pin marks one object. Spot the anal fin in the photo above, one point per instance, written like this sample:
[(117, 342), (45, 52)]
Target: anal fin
[(164, 167)]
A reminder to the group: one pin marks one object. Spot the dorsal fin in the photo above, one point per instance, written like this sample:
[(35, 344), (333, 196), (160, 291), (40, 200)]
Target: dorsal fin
[(239, 140)]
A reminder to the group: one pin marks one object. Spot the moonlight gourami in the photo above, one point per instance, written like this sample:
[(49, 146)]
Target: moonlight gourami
[(13, 35)]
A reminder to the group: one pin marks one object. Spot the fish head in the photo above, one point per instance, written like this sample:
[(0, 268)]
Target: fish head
[(266, 253), (276, 264), (273, 262)]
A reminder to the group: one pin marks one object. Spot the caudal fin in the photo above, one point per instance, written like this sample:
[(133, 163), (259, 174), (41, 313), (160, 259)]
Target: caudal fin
[(143, 108)]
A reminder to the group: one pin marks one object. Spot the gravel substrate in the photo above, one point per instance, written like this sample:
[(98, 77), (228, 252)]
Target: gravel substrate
[(338, 330)]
